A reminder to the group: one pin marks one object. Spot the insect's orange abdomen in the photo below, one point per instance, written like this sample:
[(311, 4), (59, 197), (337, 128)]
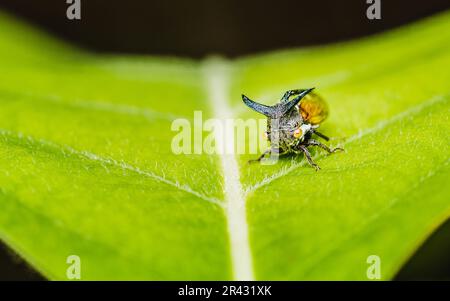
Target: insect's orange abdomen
[(313, 109)]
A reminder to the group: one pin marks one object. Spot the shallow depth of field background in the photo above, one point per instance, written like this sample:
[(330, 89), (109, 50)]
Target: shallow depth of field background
[(231, 28), (200, 27)]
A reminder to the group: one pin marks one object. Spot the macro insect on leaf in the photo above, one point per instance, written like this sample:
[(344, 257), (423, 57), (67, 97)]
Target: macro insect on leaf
[(292, 123)]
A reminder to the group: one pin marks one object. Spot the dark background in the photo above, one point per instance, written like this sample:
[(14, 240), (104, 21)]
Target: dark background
[(196, 28)]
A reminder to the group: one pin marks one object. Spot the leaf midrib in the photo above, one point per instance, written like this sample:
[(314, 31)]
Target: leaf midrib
[(80, 155)]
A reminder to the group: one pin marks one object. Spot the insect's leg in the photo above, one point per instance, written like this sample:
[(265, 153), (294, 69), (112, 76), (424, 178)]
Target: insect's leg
[(321, 135), (260, 157), (308, 157), (321, 145)]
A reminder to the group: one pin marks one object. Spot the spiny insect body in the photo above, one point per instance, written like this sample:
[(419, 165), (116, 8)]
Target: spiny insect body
[(292, 122)]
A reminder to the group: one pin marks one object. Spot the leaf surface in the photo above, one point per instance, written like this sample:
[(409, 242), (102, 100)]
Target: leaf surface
[(86, 165)]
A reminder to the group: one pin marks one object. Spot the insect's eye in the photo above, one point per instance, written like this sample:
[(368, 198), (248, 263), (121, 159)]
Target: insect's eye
[(298, 133)]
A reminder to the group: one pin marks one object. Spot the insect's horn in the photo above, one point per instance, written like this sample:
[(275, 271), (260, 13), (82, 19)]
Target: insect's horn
[(260, 108), (285, 107)]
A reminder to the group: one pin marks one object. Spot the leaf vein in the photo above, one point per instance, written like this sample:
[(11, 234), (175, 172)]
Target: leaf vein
[(363, 133), (112, 162)]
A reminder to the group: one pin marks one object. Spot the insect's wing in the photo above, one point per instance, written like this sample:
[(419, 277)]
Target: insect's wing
[(313, 108)]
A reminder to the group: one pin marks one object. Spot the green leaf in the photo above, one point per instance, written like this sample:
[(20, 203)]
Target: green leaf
[(86, 166)]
